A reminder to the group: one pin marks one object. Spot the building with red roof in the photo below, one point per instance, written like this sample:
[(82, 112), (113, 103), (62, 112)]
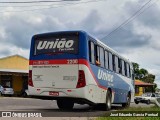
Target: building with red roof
[(140, 87)]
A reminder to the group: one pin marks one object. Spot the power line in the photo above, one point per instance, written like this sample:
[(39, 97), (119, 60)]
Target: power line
[(39, 5), (16, 6), (130, 18), (37, 1), (64, 5)]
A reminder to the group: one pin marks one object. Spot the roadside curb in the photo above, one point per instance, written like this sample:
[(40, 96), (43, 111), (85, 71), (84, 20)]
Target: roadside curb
[(14, 98)]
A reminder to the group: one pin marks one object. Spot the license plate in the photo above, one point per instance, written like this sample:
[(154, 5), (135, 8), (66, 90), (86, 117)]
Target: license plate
[(53, 93)]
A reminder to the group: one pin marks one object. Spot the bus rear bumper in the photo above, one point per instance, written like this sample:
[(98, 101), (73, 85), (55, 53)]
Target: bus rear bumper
[(88, 93), (57, 92), (79, 95), (75, 100)]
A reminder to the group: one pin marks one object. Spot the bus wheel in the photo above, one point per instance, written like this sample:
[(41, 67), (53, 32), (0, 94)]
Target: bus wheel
[(136, 102), (65, 104), (148, 102), (108, 101), (127, 104)]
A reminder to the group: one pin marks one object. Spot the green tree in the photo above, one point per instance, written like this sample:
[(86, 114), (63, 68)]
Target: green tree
[(143, 75), (149, 78), (139, 73), (136, 70), (143, 71)]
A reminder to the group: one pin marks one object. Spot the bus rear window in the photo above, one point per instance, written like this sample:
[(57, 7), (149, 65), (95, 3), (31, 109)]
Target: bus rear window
[(56, 43)]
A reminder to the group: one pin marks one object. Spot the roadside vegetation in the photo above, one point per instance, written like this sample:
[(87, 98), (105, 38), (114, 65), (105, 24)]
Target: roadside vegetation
[(143, 75), (133, 109)]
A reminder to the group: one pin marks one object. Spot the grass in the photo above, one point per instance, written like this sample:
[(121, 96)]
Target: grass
[(132, 110), (154, 108), (129, 118)]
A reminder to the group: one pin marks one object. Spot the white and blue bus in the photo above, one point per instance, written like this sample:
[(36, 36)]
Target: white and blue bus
[(74, 67)]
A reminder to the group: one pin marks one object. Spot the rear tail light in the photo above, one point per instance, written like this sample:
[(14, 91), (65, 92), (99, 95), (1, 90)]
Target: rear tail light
[(81, 79), (30, 82)]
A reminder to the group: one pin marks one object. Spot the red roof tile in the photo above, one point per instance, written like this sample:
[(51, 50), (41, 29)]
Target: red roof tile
[(141, 83)]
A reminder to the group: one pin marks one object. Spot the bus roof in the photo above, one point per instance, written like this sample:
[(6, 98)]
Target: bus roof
[(109, 49), (83, 32), (41, 34)]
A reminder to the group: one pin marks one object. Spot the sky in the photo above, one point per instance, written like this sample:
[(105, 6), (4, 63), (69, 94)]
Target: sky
[(138, 39)]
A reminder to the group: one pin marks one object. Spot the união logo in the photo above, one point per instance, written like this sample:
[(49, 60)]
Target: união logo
[(59, 43), (105, 75)]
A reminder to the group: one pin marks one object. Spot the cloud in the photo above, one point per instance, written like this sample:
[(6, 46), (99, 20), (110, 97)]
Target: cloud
[(157, 81), (127, 39), (151, 18), (150, 14), (18, 30), (91, 22), (4, 52)]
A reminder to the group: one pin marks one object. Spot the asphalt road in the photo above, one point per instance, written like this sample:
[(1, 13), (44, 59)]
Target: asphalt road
[(49, 108)]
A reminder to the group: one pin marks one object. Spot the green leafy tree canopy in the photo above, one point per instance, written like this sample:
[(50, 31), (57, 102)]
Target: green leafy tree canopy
[(143, 75)]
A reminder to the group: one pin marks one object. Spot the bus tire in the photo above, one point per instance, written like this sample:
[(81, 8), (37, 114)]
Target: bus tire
[(108, 101), (148, 102), (136, 102), (65, 104), (127, 104)]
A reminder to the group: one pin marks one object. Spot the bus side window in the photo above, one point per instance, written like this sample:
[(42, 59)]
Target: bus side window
[(116, 64), (128, 74), (120, 65), (132, 75), (97, 55), (91, 52), (101, 57), (113, 62), (110, 61), (123, 68), (129, 71), (106, 60)]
